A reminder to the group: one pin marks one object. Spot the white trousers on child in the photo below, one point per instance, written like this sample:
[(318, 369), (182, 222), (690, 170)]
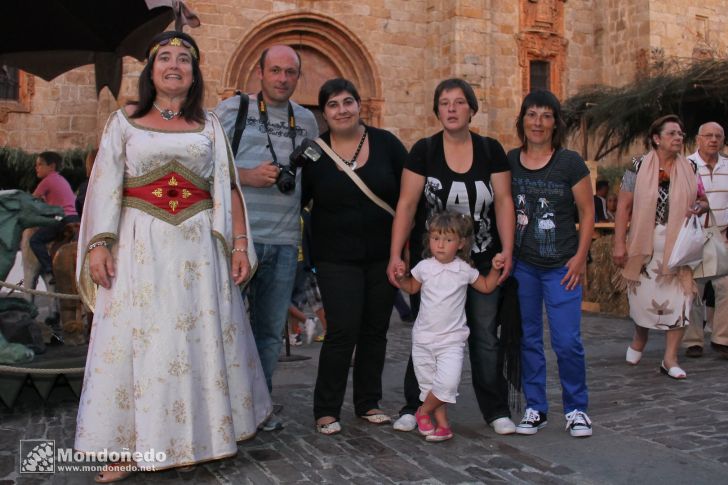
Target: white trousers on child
[(438, 367)]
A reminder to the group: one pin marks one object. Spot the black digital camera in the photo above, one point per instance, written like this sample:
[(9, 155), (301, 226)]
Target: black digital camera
[(307, 151)]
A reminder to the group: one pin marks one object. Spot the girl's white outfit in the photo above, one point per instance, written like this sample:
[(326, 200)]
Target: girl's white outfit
[(440, 331)]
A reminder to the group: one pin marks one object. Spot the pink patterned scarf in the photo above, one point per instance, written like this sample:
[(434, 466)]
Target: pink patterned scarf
[(683, 191)]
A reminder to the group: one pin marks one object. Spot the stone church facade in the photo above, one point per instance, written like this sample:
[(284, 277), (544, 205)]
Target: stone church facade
[(396, 51)]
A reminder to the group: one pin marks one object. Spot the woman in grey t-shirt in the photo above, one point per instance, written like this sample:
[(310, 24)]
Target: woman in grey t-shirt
[(550, 185)]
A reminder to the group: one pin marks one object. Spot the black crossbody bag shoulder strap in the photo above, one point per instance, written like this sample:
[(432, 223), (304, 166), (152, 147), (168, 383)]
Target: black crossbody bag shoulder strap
[(240, 121)]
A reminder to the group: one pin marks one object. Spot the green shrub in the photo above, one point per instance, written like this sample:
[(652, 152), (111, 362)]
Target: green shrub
[(17, 168), (613, 174)]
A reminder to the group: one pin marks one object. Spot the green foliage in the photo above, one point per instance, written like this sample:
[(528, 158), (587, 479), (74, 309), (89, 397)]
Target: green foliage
[(17, 168), (613, 175), (619, 116)]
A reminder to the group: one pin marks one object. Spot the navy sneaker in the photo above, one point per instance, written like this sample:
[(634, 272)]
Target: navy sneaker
[(532, 421), (578, 424)]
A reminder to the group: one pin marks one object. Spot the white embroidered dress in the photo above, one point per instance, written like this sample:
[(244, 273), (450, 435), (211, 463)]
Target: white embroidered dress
[(172, 366)]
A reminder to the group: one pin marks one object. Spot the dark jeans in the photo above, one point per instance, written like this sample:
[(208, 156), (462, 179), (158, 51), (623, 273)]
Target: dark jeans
[(45, 235), (358, 301), (486, 360), (486, 355), (401, 306), (411, 386)]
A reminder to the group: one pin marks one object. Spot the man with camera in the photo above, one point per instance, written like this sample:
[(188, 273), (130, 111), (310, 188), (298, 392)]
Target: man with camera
[(273, 127)]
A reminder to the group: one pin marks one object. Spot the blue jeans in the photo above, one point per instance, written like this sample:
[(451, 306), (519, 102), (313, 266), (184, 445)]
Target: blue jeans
[(486, 355), (269, 295), (45, 235), (537, 286)]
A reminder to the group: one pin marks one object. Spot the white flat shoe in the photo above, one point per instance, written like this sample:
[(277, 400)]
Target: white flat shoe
[(673, 372), (633, 356)]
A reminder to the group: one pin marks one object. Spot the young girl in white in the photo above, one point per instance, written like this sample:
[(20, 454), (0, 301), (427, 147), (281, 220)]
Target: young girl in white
[(440, 331)]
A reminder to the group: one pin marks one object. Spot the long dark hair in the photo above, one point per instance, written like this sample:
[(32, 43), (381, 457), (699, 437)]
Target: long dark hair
[(192, 106), (542, 98)]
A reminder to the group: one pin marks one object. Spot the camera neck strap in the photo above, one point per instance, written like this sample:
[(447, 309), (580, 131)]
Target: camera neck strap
[(263, 110)]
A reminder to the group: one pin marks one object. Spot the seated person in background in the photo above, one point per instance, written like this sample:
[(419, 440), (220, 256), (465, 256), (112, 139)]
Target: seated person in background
[(53, 189), (611, 206), (81, 192), (600, 202)]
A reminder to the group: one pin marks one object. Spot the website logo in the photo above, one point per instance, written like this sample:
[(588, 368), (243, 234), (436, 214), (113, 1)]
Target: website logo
[(37, 456)]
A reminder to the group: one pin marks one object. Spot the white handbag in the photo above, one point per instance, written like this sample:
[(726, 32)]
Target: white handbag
[(715, 252), (688, 248)]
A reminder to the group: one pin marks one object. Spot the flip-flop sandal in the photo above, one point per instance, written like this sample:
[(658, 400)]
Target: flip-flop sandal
[(329, 428), (377, 418)]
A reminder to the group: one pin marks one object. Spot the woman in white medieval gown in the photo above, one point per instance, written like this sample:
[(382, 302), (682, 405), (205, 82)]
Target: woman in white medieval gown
[(172, 367)]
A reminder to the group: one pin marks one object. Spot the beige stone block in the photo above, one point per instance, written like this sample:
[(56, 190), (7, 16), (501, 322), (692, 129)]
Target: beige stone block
[(83, 124), (76, 76), (78, 106), (32, 123), (68, 140), (57, 123), (218, 19), (13, 140), (206, 8)]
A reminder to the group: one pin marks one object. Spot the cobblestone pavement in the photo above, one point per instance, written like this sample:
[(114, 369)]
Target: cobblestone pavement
[(648, 429)]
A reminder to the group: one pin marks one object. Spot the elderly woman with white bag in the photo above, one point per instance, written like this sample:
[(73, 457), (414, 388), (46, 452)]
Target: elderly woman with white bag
[(656, 195)]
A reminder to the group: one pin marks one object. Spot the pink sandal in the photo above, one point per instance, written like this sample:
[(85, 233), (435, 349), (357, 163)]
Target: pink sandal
[(424, 423)]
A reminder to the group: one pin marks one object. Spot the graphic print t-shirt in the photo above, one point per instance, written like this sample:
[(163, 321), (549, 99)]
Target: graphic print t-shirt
[(546, 233), (468, 193)]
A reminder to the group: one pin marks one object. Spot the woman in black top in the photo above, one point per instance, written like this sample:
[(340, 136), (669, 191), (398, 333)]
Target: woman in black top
[(459, 171), (351, 237)]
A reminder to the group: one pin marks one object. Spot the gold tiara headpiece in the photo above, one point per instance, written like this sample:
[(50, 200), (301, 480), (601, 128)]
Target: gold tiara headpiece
[(177, 42)]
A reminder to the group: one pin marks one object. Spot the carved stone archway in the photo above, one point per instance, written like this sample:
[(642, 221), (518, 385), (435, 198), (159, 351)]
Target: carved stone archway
[(327, 49)]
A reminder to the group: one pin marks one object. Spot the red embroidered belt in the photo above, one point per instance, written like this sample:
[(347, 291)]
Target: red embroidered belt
[(172, 193)]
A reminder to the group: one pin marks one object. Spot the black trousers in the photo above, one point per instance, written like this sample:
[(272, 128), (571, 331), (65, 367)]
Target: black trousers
[(411, 386), (358, 302)]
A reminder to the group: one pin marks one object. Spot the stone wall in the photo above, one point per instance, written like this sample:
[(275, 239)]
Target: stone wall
[(689, 29), (397, 51)]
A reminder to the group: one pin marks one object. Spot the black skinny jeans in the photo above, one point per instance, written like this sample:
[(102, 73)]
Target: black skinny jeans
[(358, 302)]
